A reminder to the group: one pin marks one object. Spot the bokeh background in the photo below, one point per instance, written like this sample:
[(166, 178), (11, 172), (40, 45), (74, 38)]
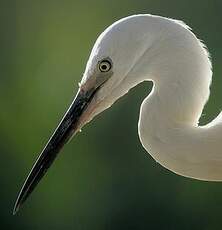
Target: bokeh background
[(103, 179)]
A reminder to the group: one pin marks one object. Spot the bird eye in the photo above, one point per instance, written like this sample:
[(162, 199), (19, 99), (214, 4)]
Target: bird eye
[(105, 65)]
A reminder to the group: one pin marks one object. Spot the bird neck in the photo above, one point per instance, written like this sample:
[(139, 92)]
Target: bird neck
[(172, 137), (168, 124), (182, 77)]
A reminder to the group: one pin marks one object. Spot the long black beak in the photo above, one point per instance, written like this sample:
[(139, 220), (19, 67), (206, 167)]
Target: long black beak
[(67, 127)]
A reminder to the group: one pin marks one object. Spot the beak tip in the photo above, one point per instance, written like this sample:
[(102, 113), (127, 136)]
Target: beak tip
[(15, 210), (16, 207)]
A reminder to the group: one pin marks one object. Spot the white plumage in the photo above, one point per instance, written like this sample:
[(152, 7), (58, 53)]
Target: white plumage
[(147, 48), (165, 51)]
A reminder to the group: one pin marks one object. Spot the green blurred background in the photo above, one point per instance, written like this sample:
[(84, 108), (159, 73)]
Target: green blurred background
[(103, 178)]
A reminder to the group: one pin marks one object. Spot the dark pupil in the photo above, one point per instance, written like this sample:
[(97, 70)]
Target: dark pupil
[(104, 67)]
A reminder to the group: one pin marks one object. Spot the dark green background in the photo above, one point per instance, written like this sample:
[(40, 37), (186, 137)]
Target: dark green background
[(103, 178)]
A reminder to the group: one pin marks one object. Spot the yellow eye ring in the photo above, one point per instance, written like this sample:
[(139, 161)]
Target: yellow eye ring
[(105, 66)]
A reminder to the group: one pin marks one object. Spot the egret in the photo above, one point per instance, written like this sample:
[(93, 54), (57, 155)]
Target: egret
[(147, 48)]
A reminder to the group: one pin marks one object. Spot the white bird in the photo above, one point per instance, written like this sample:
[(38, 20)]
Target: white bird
[(147, 48)]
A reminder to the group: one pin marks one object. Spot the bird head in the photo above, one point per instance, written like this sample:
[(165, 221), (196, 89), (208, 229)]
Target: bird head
[(115, 65)]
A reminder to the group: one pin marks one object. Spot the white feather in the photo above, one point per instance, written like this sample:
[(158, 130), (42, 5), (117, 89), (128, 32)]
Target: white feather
[(167, 52)]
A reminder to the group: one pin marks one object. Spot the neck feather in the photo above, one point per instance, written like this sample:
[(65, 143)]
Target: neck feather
[(168, 124)]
